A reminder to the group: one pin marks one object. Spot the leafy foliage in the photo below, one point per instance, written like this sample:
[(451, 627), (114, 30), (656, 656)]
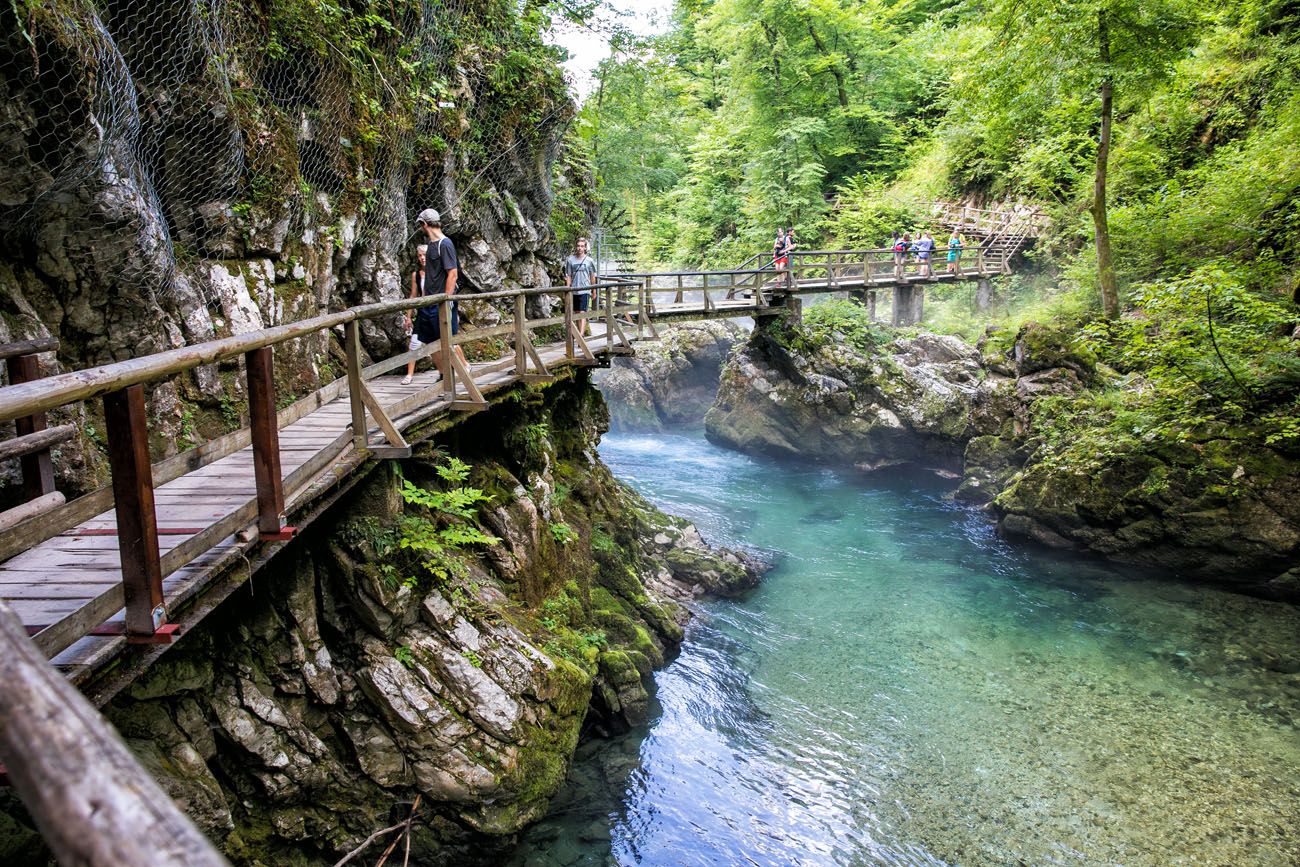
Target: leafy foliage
[(444, 528)]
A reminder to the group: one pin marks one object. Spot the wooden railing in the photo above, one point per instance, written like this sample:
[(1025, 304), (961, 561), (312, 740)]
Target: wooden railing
[(989, 221), (130, 496), (33, 442)]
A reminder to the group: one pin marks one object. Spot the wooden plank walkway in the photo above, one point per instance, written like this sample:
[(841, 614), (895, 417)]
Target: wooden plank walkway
[(66, 586)]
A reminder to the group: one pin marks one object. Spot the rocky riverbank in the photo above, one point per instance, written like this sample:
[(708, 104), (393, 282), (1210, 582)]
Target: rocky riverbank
[(379, 659), (839, 390)]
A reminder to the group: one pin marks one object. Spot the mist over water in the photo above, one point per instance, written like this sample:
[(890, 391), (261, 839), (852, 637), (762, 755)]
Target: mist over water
[(905, 688)]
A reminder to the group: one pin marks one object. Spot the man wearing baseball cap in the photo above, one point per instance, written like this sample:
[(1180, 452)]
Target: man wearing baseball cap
[(441, 272)]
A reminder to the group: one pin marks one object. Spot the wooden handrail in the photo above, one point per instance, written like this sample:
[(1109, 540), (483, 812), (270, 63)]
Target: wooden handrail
[(29, 347), (65, 388)]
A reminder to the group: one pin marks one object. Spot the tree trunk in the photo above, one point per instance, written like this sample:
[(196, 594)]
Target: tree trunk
[(841, 90), (1101, 223), (92, 800)]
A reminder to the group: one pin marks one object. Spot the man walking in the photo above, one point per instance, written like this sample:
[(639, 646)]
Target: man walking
[(580, 271), (441, 274)]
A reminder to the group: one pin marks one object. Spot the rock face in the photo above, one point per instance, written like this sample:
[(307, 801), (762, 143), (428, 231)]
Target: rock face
[(671, 382), (918, 400), (352, 675), (1212, 510), (162, 182)]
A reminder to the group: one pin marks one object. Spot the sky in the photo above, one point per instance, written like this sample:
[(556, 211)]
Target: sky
[(587, 46)]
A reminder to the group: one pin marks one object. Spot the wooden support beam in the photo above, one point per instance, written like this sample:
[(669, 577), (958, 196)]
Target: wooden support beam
[(92, 800), (538, 365), (581, 343), (42, 440), (391, 433), (38, 469), (521, 337), (445, 349), (137, 526), (475, 396), (352, 347), (266, 439)]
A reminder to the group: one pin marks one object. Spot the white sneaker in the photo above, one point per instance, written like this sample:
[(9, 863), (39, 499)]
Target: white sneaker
[(406, 380)]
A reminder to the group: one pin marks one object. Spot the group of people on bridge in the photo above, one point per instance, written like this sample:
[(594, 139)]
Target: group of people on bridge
[(437, 272), (921, 250)]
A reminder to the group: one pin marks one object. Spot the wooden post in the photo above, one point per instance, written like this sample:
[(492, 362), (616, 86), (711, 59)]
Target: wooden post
[(521, 353), (92, 800), (794, 304), (266, 439), (678, 299), (568, 324), (352, 345), (137, 525), (445, 348), (902, 305), (37, 468), (609, 319)]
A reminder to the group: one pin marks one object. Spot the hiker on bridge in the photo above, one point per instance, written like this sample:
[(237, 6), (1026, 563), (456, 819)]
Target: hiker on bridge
[(438, 275), (779, 260), (902, 246), (924, 247), (580, 271), (955, 244)]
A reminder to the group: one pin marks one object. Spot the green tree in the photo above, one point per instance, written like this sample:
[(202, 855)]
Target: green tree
[(1082, 52)]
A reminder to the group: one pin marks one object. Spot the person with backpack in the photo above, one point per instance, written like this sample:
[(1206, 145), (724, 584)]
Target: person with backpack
[(899, 246), (906, 246), (779, 259), (438, 275)]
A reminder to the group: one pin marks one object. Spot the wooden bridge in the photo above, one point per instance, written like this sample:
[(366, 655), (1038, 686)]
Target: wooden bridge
[(136, 561)]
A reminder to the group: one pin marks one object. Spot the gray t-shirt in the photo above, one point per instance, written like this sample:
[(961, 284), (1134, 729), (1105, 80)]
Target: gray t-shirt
[(581, 271)]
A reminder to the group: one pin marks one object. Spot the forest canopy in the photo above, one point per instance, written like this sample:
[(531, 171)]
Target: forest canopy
[(1159, 135)]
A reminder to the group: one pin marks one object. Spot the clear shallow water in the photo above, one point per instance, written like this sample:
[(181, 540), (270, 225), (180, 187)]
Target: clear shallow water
[(905, 688)]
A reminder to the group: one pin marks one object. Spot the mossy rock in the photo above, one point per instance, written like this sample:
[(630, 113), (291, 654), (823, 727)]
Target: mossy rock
[(1040, 347)]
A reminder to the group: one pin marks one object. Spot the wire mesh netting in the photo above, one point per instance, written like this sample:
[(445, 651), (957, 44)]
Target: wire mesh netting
[(191, 130)]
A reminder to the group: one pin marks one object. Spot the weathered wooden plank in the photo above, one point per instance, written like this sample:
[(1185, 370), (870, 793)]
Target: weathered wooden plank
[(198, 544)]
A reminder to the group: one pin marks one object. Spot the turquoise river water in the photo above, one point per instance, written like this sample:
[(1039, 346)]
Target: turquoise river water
[(906, 688)]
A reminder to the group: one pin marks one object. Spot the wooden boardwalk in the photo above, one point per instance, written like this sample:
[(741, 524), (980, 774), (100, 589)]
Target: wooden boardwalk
[(136, 562), (72, 584)]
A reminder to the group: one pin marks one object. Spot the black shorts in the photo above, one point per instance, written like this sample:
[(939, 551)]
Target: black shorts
[(428, 328), (581, 301)]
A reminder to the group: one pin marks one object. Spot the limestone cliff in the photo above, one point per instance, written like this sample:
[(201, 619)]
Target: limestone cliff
[(1209, 509), (669, 382), (360, 670), (171, 173)]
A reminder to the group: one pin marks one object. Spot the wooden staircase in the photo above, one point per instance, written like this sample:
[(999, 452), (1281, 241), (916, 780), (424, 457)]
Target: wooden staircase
[(1000, 233)]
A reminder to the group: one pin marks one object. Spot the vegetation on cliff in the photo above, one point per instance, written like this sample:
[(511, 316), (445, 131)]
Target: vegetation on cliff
[(1168, 127)]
